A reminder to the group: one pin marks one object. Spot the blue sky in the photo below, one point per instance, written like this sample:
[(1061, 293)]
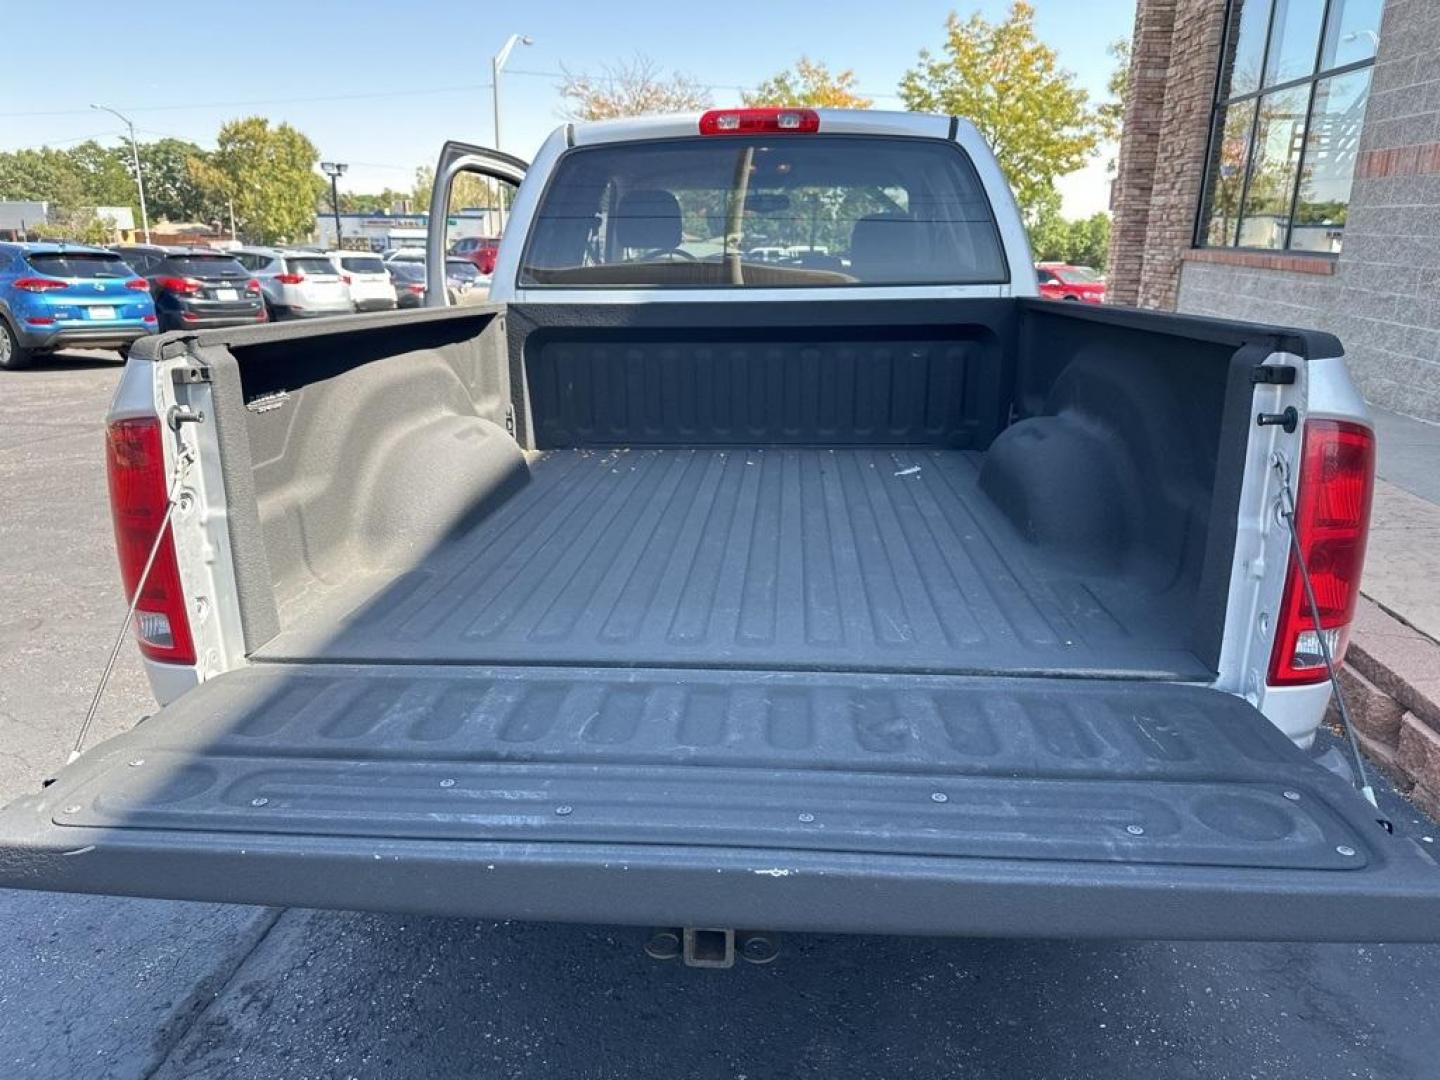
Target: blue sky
[(401, 77)]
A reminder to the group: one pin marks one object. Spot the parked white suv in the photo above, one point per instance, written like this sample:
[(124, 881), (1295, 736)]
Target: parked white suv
[(369, 281), (297, 284)]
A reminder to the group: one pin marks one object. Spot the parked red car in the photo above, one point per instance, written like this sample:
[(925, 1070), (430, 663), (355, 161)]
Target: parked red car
[(480, 250), (1061, 281)]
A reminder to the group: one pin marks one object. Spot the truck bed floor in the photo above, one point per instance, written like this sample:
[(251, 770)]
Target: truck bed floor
[(781, 558)]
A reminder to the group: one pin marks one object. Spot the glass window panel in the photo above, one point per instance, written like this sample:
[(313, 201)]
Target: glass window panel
[(1279, 130), (1352, 33), (1249, 21), (1294, 40), (1335, 121), (1229, 155), (822, 210)]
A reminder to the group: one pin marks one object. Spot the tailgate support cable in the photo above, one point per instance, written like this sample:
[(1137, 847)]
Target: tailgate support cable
[(1287, 511), (182, 466)]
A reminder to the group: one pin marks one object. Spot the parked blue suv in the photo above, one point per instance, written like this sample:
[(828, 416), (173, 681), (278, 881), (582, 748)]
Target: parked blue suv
[(55, 295)]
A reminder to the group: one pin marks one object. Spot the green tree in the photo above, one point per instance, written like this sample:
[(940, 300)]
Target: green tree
[(43, 175), (359, 202), (1111, 113), (171, 188), (105, 175), (424, 186), (812, 84), (632, 88), (79, 224), (1003, 79), (269, 173), (1055, 238)]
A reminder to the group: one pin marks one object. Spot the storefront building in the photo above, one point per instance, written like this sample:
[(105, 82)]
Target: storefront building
[(1281, 162)]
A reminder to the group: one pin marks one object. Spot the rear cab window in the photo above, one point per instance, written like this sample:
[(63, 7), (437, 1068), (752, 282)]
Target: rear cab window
[(764, 211), (79, 264), (362, 264), (311, 266), (203, 266)]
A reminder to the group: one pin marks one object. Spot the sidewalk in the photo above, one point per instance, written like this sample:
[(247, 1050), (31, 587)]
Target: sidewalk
[(1392, 671), (1402, 568)]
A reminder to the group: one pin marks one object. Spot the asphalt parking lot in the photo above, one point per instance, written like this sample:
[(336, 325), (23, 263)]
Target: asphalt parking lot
[(102, 987)]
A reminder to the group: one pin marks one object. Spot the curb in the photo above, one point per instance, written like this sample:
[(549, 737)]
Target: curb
[(1391, 681)]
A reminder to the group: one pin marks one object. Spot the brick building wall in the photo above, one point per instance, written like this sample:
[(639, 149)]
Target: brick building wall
[(1144, 107), (1381, 296)]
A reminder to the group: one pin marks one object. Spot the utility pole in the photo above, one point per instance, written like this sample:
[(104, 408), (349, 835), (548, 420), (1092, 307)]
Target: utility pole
[(334, 170), (135, 154), (497, 64)]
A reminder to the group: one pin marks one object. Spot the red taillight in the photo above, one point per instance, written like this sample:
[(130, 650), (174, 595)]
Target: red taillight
[(345, 278), (759, 121), (290, 279), (253, 285), (139, 284), (40, 320), (40, 284), (183, 285), (147, 318), (418, 290), (135, 462), (1332, 516)]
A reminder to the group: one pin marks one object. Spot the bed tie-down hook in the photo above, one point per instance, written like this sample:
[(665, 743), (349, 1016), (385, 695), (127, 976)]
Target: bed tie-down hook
[(1281, 465)]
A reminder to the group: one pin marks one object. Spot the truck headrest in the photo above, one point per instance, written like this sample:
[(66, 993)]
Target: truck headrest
[(648, 219), (883, 245)]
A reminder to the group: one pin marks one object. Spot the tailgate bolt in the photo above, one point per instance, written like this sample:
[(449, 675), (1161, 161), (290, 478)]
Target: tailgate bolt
[(1135, 830), (1293, 796), (260, 801), (137, 762), (757, 946), (447, 783), (939, 796), (563, 810), (1345, 849), (663, 945), (807, 817)]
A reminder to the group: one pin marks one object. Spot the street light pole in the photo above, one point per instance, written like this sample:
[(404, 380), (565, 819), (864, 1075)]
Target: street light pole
[(496, 65), (135, 153), (334, 170)]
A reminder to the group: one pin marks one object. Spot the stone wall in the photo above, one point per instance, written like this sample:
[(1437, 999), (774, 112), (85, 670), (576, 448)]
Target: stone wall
[(1162, 154), (1381, 297), (1135, 171)]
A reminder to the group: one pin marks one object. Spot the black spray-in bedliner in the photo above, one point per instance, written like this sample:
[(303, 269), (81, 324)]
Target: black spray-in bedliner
[(780, 558), (856, 802)]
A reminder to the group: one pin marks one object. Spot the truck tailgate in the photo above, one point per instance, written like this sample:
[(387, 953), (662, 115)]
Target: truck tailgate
[(843, 802)]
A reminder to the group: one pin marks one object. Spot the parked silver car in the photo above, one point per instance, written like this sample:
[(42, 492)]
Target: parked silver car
[(297, 284)]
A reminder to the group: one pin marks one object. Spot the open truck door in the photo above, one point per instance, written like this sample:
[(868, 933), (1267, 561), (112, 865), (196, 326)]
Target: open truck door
[(458, 159)]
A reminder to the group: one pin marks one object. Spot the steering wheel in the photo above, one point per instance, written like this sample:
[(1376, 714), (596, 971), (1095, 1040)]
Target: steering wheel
[(663, 253)]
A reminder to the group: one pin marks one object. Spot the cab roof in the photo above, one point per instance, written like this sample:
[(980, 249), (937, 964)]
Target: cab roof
[(832, 122)]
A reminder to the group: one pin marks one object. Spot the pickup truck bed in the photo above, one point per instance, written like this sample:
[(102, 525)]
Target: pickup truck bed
[(837, 492), (877, 616), (782, 558)]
